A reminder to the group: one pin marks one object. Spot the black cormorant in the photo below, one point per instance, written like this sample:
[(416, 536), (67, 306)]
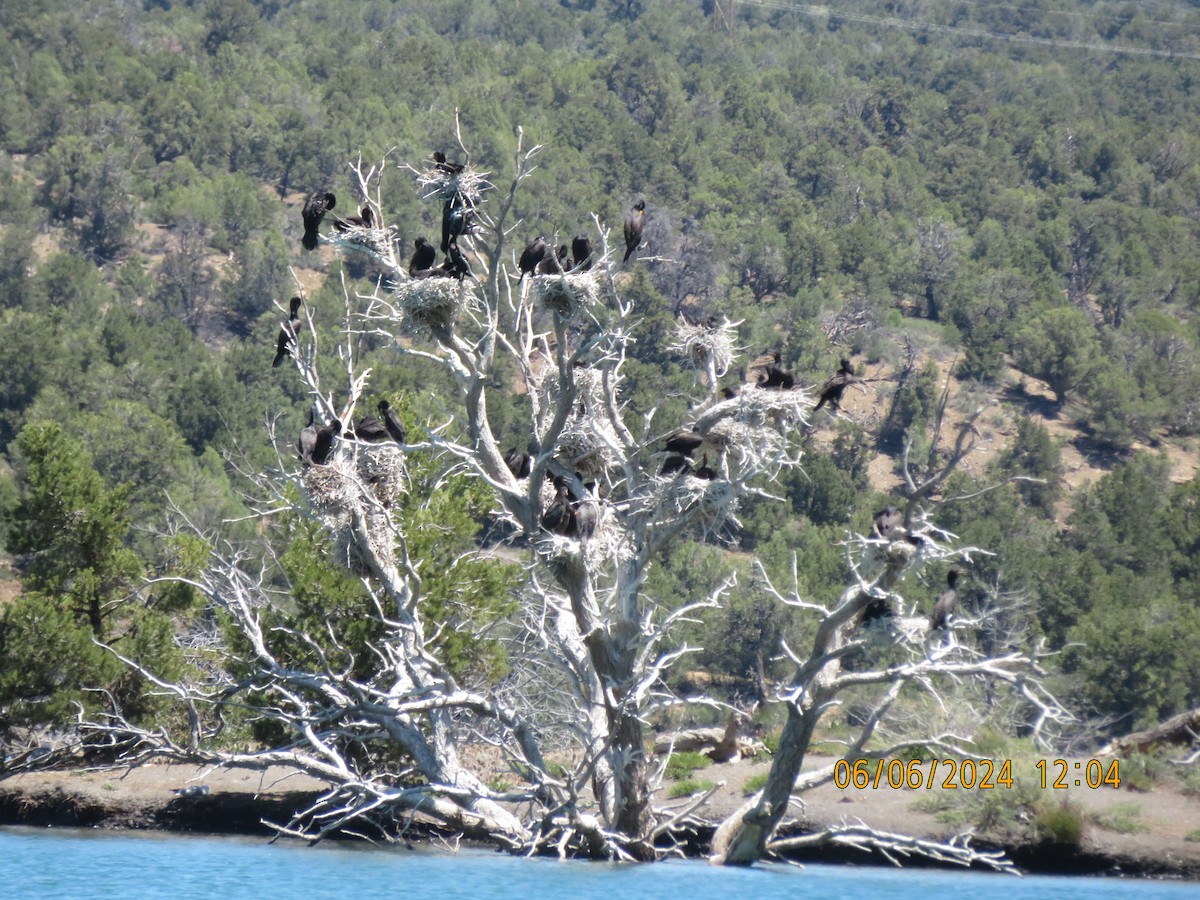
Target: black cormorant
[(455, 264), (308, 439), (684, 442), (323, 445), (945, 603), (831, 390), (371, 429), (581, 254), (287, 333), (423, 256), (674, 464), (554, 264), (457, 220), (443, 165), (365, 219), (704, 470), (315, 207), (518, 462), (559, 515), (773, 376), (391, 421), (533, 254), (634, 223), (888, 524)]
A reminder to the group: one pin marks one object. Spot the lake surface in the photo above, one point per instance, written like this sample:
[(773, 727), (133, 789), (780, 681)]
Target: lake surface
[(65, 864)]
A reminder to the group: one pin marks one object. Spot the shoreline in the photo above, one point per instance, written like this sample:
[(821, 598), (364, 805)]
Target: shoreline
[(142, 799)]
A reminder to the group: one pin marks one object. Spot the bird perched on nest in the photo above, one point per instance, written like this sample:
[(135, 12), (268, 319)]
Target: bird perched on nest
[(946, 602), (455, 264), (370, 429), (317, 443), (675, 464), (287, 333), (391, 421), (684, 442), (776, 377), (445, 166), (704, 470), (533, 254), (888, 524), (831, 390), (581, 254), (424, 256), (315, 207), (634, 223), (518, 462), (364, 219), (457, 219), (556, 263)]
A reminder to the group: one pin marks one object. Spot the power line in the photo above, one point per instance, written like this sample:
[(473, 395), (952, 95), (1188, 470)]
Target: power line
[(892, 22)]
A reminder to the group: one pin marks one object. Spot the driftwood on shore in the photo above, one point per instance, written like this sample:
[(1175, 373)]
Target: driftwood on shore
[(717, 743), (1183, 729)]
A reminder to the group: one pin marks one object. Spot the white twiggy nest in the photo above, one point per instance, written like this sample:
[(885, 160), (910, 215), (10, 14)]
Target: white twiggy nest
[(361, 531), (700, 343), (467, 184), (375, 242), (704, 502), (588, 443), (431, 306), (784, 408), (331, 490), (567, 295), (381, 468)]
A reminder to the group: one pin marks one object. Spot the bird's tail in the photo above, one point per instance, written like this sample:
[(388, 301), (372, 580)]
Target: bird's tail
[(309, 240)]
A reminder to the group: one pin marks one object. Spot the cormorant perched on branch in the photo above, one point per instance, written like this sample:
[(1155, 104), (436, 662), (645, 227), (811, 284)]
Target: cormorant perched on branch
[(684, 442), (457, 220), (391, 421), (324, 443), (365, 219), (773, 376), (455, 264), (705, 471), (315, 207), (533, 254), (423, 256), (554, 264), (675, 463), (888, 524), (634, 223), (557, 518), (287, 333), (518, 462), (308, 439), (831, 390), (370, 429), (581, 254), (442, 165), (945, 603)]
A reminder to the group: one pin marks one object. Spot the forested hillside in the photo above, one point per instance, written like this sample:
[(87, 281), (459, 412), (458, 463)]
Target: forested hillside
[(1005, 196)]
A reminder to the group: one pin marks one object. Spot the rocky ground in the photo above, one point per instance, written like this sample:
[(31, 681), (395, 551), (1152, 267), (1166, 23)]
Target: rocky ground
[(1125, 833)]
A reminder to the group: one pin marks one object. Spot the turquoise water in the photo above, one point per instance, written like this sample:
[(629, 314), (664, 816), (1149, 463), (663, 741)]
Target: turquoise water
[(65, 864)]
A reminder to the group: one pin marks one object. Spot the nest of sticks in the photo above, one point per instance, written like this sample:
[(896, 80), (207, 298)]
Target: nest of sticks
[(566, 295), (381, 468), (375, 242), (468, 185), (588, 443), (361, 530), (702, 343), (710, 504), (431, 306)]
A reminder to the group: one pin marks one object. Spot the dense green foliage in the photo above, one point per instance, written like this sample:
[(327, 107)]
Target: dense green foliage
[(1030, 201)]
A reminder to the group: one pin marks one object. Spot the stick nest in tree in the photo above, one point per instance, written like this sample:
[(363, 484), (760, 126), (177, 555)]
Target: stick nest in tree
[(467, 184), (375, 242), (588, 443), (381, 468), (608, 544), (431, 306), (700, 343), (567, 295), (709, 504), (361, 530)]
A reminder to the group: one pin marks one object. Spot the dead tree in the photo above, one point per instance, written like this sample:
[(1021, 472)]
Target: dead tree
[(594, 507), (901, 654)]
